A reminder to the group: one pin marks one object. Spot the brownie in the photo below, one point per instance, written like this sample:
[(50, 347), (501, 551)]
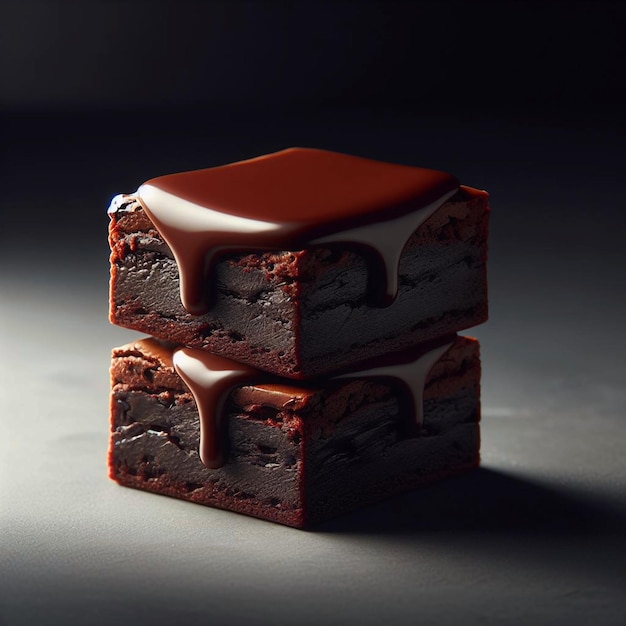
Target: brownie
[(296, 452), (397, 258)]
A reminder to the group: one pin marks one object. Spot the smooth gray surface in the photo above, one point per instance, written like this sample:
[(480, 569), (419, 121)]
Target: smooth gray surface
[(537, 536)]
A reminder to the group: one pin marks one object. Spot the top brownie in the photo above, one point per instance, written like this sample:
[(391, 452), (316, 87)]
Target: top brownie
[(301, 263)]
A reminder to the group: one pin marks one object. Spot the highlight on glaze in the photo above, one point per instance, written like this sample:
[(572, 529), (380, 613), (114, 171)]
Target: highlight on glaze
[(287, 201)]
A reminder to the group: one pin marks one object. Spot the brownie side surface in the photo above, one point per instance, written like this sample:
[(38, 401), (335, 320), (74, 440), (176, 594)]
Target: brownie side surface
[(297, 455), (156, 434), (273, 310), (443, 289), (370, 453)]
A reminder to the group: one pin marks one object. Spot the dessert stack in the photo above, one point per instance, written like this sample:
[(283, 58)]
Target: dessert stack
[(302, 310)]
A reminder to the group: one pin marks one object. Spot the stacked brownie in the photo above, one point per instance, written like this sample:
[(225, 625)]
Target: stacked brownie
[(303, 309)]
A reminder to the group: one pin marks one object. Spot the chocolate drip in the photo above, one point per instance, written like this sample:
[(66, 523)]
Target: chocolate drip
[(412, 375), (211, 379), (287, 201)]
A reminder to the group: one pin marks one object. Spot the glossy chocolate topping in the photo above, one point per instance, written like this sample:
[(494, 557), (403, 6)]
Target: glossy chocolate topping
[(290, 200), (211, 378)]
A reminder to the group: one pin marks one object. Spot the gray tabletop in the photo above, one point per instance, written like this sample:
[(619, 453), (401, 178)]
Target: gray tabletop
[(536, 536)]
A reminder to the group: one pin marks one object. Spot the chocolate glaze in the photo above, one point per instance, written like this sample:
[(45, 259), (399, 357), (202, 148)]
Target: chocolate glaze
[(211, 378), (290, 200)]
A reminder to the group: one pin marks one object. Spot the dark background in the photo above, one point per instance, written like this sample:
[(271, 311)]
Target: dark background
[(165, 85), (524, 99), (97, 96), (277, 58)]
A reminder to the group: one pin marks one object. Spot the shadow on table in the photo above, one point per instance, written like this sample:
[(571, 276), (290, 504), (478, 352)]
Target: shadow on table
[(488, 501), (518, 524)]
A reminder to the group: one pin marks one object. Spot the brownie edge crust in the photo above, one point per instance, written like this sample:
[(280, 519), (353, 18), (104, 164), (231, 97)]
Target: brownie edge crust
[(298, 453)]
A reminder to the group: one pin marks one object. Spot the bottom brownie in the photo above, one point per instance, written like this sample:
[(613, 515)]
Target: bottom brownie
[(298, 454)]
